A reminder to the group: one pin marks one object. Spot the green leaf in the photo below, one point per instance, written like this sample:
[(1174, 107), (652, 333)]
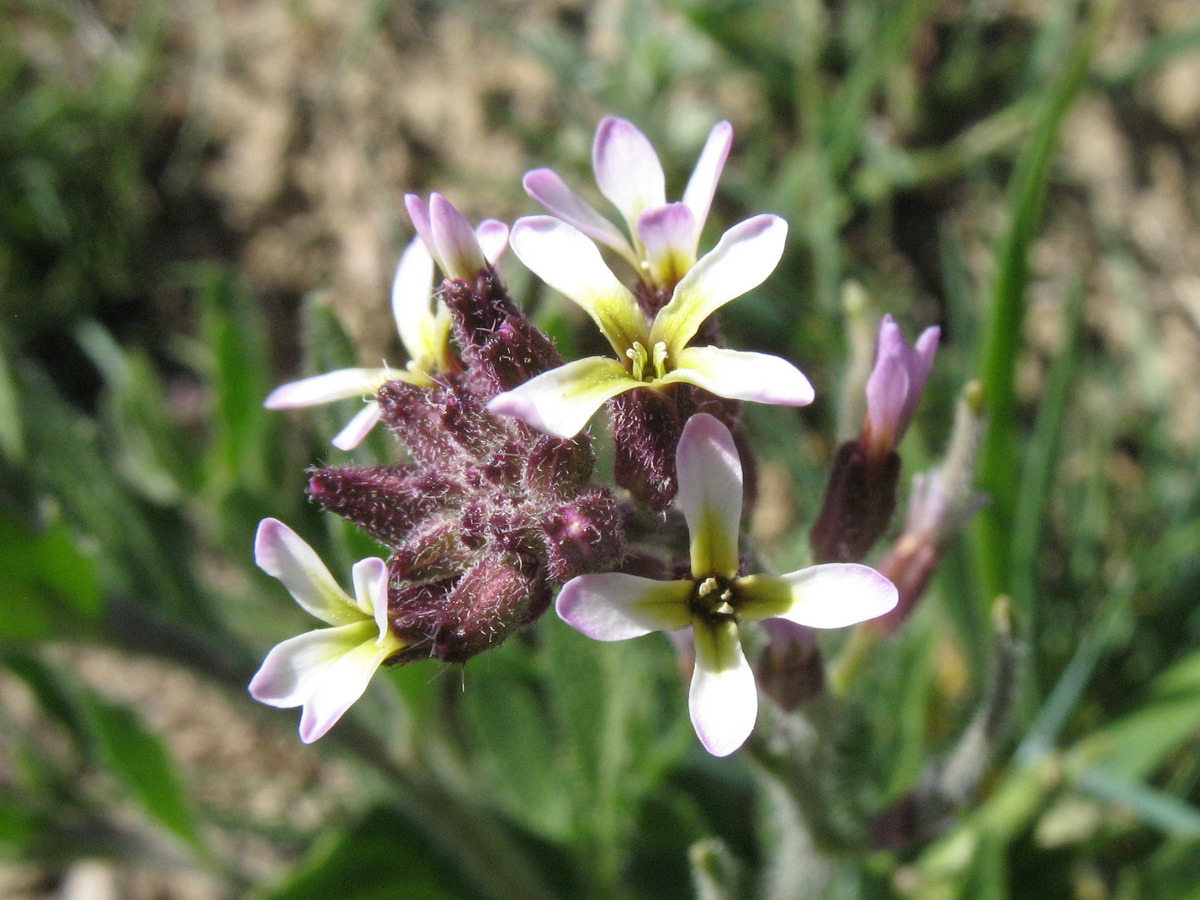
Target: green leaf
[(383, 856), (54, 697), (236, 366), (998, 469), (139, 759), (49, 587), (1158, 809), (12, 440)]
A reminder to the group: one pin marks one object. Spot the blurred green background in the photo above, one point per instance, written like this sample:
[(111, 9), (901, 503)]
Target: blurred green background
[(199, 201)]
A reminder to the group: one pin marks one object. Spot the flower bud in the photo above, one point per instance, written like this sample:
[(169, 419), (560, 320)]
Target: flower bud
[(453, 622), (501, 347), (558, 467), (385, 501), (442, 425), (894, 386), (579, 536), (859, 501), (789, 669)]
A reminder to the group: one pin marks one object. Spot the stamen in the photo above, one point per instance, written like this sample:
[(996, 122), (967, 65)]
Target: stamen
[(639, 357), (660, 359), (714, 599)]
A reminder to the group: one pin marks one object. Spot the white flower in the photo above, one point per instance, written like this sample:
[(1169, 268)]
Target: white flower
[(422, 321), (723, 700), (561, 401), (326, 670), (663, 237)]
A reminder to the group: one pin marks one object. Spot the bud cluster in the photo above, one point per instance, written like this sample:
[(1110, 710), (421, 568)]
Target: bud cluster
[(490, 514)]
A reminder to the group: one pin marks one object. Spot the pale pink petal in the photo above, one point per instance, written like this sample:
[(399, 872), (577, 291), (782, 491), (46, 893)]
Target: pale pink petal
[(723, 700), (283, 554), (710, 493), (627, 169), (920, 364), (561, 401), (324, 671), (340, 385), (455, 246), (492, 235), (369, 577), (746, 254), (548, 189), (571, 264), (833, 595), (742, 375), (666, 236), (703, 184), (888, 385), (359, 427), (418, 212), (615, 606), (412, 297)]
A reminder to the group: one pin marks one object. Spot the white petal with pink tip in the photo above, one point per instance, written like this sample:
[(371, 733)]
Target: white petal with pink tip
[(833, 595), (548, 189), (723, 700), (614, 606), (746, 254), (627, 169), (703, 184), (283, 554), (742, 375), (324, 671), (561, 401), (359, 426), (339, 385), (710, 493)]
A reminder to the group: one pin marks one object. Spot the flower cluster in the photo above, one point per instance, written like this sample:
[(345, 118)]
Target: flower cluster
[(497, 507)]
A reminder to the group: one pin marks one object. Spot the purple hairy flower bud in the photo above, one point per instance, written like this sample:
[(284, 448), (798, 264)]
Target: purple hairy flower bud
[(500, 346), (789, 669), (384, 501), (441, 424), (575, 536), (558, 467), (942, 500), (860, 496), (646, 427), (453, 623)]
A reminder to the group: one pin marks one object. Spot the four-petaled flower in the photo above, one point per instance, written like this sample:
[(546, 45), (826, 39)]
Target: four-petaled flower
[(615, 606), (894, 385), (423, 322), (326, 670), (655, 355), (663, 236)]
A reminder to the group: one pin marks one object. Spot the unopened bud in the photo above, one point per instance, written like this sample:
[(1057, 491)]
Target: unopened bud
[(491, 600), (582, 535), (441, 425), (501, 347), (385, 501), (559, 467), (859, 501), (789, 669)]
